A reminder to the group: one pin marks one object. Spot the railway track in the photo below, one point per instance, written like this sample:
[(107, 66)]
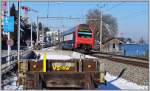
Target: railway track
[(6, 65), (135, 61)]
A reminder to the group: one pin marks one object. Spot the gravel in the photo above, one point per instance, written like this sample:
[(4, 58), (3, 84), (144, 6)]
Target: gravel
[(134, 74)]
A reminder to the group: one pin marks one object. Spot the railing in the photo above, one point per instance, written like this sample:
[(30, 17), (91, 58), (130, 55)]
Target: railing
[(12, 58), (7, 65)]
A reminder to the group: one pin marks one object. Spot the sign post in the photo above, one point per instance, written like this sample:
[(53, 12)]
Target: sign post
[(8, 27), (10, 42), (9, 24), (18, 31)]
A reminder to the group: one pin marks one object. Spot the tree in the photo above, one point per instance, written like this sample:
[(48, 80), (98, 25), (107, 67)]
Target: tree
[(34, 31), (46, 29), (129, 40), (40, 26), (107, 19), (4, 39), (13, 12)]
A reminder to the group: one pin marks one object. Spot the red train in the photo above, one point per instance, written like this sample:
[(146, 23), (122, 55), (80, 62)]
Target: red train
[(80, 37)]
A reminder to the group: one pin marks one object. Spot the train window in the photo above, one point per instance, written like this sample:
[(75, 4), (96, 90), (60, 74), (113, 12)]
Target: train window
[(84, 34), (114, 45)]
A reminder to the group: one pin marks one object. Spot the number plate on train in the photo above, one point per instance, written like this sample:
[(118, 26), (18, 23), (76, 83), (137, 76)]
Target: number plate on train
[(64, 66)]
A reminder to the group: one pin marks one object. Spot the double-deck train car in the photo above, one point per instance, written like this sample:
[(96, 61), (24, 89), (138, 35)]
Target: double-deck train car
[(79, 37)]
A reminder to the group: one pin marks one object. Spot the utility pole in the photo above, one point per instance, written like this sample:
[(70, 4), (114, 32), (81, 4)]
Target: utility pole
[(18, 30), (59, 38), (8, 37), (31, 35), (37, 32), (42, 36), (101, 30)]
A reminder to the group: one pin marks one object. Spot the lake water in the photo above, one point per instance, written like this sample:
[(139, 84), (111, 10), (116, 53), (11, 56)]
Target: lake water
[(134, 49)]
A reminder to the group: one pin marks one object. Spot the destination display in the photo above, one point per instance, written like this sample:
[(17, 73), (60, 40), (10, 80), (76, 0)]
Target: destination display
[(83, 30)]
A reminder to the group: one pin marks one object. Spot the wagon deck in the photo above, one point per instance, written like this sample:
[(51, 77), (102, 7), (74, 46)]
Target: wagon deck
[(47, 72)]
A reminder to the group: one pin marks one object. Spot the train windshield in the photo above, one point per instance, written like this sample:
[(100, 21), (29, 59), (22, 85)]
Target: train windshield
[(84, 33)]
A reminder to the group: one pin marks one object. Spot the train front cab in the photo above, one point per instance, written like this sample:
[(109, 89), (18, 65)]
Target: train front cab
[(84, 38)]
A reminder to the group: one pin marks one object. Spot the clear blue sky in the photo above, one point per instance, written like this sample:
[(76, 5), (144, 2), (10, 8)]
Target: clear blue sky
[(132, 17)]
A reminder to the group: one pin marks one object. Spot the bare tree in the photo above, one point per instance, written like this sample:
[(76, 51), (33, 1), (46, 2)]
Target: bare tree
[(46, 29), (40, 26), (13, 12), (107, 20)]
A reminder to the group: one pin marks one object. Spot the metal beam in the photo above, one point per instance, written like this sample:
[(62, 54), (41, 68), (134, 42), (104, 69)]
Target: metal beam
[(18, 31), (75, 18), (101, 25)]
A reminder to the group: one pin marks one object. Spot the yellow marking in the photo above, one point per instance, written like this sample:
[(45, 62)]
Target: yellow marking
[(44, 63), (67, 68), (55, 67)]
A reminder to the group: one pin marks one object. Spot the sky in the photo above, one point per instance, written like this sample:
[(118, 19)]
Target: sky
[(132, 17)]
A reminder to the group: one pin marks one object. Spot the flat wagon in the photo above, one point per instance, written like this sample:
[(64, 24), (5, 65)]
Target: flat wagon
[(71, 73)]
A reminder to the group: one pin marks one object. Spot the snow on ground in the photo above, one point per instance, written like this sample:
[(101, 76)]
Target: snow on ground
[(61, 54), (114, 83), (79, 55), (13, 84), (50, 48), (64, 55), (58, 57)]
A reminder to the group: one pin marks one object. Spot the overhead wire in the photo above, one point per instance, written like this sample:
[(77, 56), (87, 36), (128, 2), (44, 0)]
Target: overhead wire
[(126, 17), (111, 8), (133, 15), (117, 5)]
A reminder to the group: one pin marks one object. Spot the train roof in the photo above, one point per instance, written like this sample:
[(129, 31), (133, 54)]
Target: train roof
[(72, 29), (68, 31)]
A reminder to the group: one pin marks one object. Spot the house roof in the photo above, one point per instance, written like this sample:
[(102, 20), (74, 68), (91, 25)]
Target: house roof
[(120, 39)]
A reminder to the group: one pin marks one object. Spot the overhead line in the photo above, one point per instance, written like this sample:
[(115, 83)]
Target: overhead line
[(114, 6), (130, 15), (77, 18)]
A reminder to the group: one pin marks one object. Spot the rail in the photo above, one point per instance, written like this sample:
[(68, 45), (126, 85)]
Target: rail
[(8, 65), (124, 59), (111, 54)]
